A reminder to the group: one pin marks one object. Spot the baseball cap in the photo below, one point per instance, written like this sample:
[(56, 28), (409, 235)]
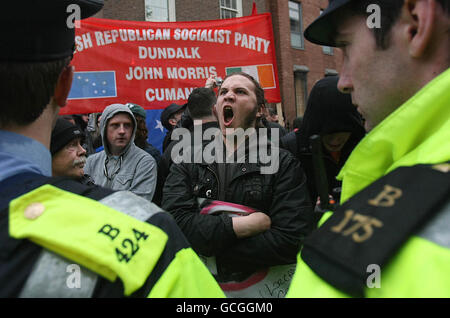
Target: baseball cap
[(63, 133), (39, 31), (168, 112), (322, 30)]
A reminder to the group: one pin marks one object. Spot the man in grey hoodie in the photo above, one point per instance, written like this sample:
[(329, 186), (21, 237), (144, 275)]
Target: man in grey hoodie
[(122, 165)]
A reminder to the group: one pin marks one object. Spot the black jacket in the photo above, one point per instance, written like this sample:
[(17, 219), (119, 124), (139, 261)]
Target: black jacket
[(282, 196), (166, 161), (153, 151), (328, 111), (271, 125)]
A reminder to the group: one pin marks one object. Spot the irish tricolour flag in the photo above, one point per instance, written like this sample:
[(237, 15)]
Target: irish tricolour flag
[(262, 73)]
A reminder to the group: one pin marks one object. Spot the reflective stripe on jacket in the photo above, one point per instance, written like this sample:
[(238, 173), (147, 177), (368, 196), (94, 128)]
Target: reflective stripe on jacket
[(48, 231)]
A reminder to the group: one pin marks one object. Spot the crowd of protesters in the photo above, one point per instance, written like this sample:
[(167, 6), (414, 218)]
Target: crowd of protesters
[(277, 206), (235, 205)]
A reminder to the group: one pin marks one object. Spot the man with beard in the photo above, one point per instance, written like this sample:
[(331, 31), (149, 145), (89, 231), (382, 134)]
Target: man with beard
[(271, 235), (68, 156)]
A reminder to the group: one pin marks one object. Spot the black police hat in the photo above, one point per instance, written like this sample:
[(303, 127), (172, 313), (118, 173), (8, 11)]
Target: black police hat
[(32, 30), (323, 30)]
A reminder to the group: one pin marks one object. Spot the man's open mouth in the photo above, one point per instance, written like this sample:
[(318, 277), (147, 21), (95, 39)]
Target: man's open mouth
[(228, 115)]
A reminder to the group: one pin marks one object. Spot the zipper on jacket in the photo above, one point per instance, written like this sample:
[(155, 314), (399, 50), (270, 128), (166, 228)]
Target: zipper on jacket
[(217, 179)]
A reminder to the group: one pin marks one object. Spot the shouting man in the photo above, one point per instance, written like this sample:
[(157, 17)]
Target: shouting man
[(281, 210)]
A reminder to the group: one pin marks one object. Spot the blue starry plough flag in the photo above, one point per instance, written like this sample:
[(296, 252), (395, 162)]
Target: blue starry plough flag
[(156, 131), (100, 84)]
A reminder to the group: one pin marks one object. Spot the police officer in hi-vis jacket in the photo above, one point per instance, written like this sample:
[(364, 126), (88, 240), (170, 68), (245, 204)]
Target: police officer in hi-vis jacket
[(50, 228), (391, 235)]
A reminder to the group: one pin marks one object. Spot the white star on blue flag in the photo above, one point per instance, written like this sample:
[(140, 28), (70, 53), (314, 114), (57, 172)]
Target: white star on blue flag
[(159, 125)]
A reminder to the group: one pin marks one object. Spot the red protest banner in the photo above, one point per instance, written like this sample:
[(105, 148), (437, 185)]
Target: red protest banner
[(156, 64)]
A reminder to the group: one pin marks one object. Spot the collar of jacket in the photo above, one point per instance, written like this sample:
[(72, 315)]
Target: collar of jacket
[(416, 133), (244, 167), (127, 150)]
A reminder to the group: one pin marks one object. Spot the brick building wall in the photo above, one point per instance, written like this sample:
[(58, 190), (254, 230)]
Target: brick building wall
[(313, 55), (248, 5), (131, 10), (298, 69), (196, 10)]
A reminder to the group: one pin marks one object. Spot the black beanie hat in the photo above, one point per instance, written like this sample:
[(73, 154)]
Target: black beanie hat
[(168, 112), (62, 134)]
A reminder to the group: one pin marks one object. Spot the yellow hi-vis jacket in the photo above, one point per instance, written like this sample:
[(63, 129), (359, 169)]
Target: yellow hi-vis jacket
[(418, 132), (151, 258)]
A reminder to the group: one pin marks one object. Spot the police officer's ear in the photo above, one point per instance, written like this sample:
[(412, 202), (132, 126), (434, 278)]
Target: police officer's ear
[(63, 86), (420, 18)]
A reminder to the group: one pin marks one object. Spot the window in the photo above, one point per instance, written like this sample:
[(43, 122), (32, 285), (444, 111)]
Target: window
[(326, 49), (331, 72), (295, 16), (301, 88), (230, 9), (160, 10)]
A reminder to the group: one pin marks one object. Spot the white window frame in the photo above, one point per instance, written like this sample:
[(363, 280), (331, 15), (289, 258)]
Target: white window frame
[(170, 8), (238, 9), (300, 12)]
